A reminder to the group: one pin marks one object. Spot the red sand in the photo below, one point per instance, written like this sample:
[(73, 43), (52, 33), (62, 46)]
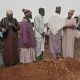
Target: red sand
[(48, 69), (68, 69)]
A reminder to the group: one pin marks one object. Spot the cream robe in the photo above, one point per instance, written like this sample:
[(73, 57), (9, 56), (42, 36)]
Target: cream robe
[(68, 39)]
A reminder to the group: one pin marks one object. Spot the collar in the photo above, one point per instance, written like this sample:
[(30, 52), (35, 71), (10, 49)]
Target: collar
[(41, 16)]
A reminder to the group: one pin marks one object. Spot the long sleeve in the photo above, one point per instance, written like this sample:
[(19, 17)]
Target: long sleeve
[(51, 25), (74, 22), (3, 26), (25, 34), (1, 23), (50, 22)]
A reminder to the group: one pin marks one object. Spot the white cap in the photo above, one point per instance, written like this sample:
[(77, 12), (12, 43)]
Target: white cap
[(9, 11)]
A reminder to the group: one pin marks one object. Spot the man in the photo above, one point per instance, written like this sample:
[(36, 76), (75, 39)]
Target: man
[(9, 28), (27, 38), (69, 35), (56, 23), (39, 33)]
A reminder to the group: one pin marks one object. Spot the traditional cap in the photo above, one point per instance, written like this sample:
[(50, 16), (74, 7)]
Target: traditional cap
[(26, 11), (71, 11), (9, 11)]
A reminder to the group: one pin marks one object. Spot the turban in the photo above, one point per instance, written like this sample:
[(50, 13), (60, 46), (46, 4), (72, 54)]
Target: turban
[(9, 11)]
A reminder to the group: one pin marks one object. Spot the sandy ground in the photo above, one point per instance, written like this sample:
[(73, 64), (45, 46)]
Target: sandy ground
[(47, 69)]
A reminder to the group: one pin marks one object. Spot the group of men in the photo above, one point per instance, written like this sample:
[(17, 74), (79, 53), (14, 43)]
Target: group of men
[(62, 34), (31, 42)]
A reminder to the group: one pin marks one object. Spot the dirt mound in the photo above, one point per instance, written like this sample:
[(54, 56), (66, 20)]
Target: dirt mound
[(67, 69)]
